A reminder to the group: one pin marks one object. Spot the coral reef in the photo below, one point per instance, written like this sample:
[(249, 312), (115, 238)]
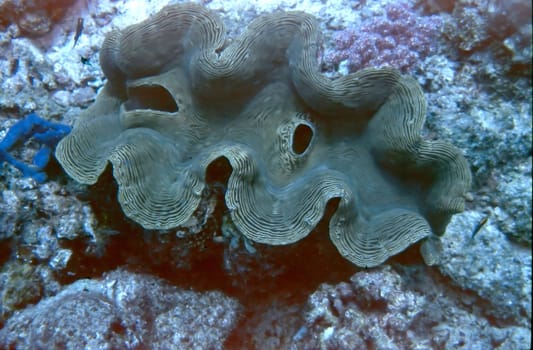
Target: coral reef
[(43, 131), (295, 139), (478, 98), (400, 38)]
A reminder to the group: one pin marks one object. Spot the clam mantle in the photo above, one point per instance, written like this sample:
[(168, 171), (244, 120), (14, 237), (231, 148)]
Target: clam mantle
[(180, 95)]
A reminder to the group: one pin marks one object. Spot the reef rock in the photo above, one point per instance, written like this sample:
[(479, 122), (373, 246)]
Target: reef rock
[(123, 311)]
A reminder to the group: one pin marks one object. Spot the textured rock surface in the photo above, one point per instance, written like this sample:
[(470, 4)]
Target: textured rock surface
[(495, 134), (37, 217), (493, 268), (21, 284), (504, 25), (33, 18), (413, 309), (515, 194), (123, 310), (294, 138)]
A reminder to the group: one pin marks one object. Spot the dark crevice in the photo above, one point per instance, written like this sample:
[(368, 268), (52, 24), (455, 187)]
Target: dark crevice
[(218, 172), (154, 97), (5, 251), (302, 138)]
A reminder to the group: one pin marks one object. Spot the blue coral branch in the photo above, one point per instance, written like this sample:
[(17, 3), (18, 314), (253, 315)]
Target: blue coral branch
[(43, 131)]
